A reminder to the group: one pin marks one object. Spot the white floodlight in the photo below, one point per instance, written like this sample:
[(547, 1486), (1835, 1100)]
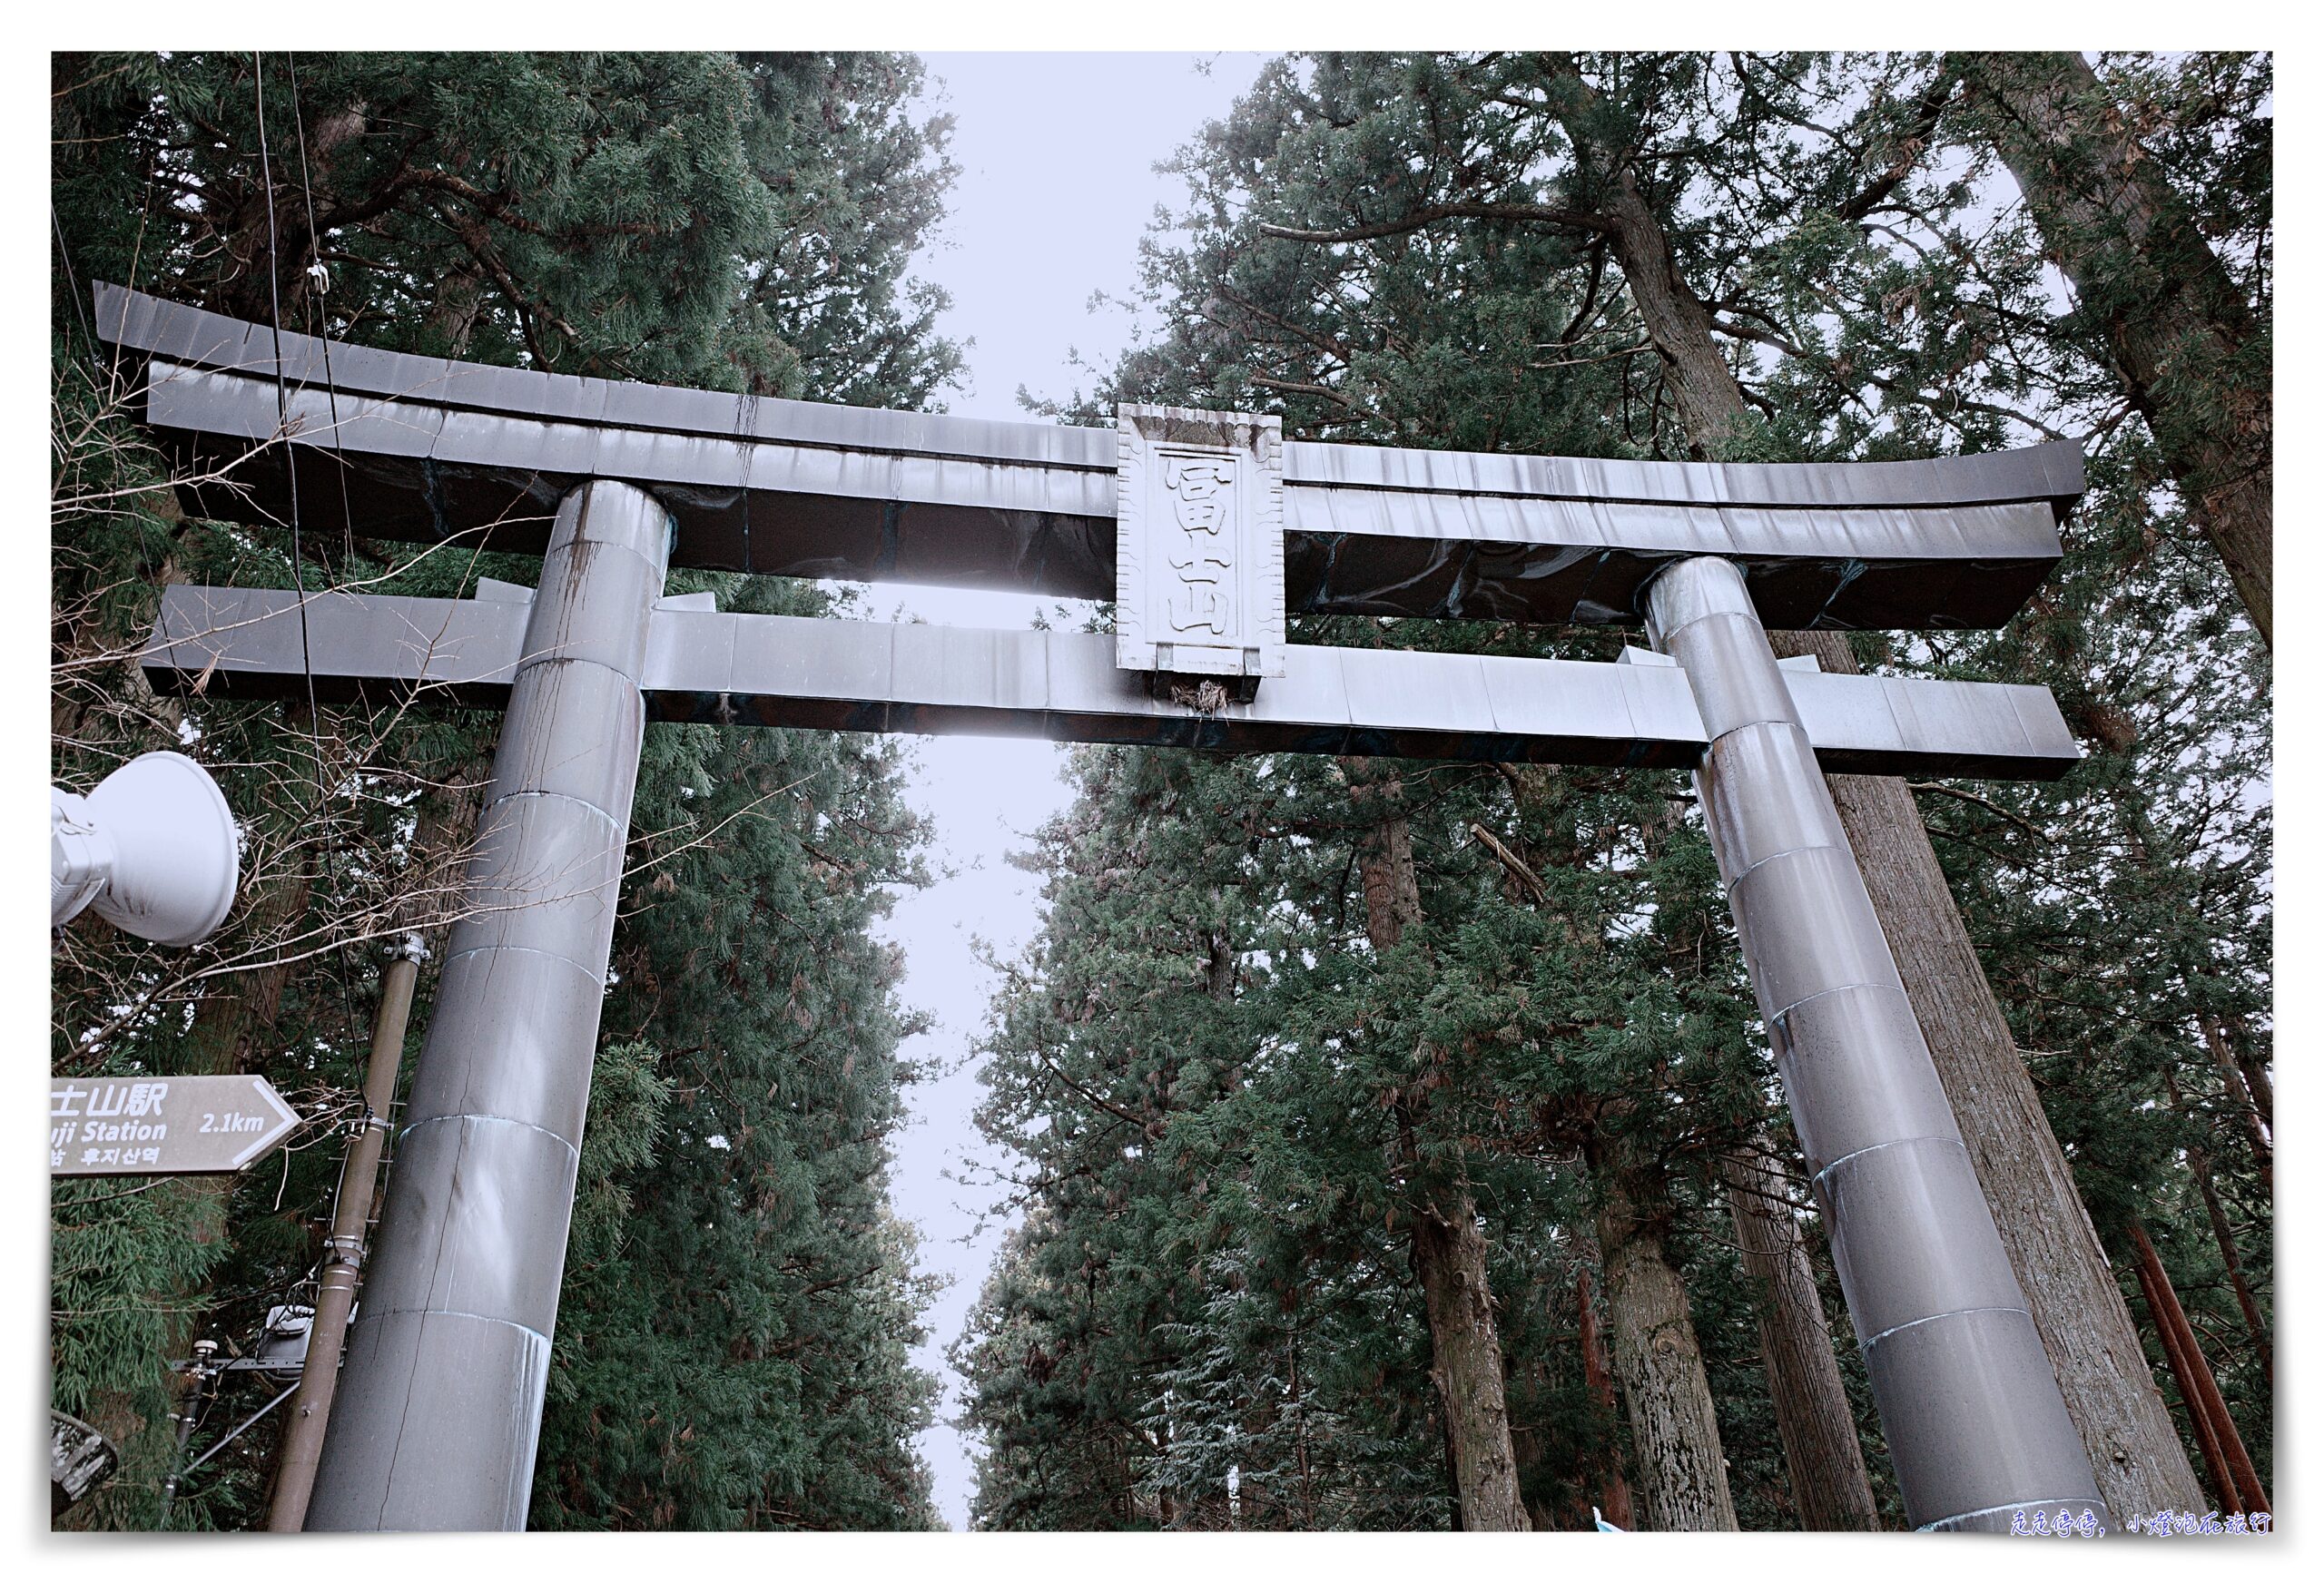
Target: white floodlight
[(153, 849)]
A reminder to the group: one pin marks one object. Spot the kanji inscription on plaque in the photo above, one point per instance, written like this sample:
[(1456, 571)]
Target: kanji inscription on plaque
[(1198, 561)]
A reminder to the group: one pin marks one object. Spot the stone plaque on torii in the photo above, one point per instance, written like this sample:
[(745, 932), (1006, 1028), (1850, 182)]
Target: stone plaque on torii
[(1205, 528)]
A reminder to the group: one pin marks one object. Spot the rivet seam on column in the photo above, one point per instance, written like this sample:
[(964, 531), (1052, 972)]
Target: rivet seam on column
[(1896, 983), (532, 951), (1932, 1137), (562, 797), (607, 546), (413, 1126), (535, 659), (1669, 639), (465, 1313), (1788, 851), (1712, 739), (1871, 1342)]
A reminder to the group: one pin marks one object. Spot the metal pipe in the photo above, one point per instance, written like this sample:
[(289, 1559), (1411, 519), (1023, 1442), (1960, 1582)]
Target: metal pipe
[(302, 1434), (189, 1408), (444, 1379), (1968, 1401)]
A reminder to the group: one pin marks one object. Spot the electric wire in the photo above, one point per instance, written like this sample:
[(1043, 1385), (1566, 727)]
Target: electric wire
[(321, 329), (282, 428), (282, 425)]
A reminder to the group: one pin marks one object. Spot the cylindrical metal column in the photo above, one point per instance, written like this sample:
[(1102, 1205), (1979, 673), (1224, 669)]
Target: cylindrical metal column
[(1973, 1420), (441, 1403)]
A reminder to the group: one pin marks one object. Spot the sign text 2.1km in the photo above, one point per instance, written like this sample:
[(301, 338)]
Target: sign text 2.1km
[(161, 1126)]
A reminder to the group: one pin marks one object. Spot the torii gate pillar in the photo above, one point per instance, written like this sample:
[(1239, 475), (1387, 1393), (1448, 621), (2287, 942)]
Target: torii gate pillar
[(461, 1304), (1975, 1424)]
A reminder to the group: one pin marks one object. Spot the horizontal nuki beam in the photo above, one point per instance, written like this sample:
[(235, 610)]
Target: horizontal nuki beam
[(853, 676), (400, 447)]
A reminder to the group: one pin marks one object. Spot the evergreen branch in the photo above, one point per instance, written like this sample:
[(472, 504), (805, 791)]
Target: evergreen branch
[(1935, 401), (1533, 214), (1150, 1128), (656, 861), (1954, 792), (1911, 142)]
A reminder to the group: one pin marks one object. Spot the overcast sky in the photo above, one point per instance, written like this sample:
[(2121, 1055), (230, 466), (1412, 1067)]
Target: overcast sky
[(1057, 185)]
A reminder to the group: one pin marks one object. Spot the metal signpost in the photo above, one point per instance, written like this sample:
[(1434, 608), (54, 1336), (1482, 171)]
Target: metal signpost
[(163, 1126), (1205, 528)]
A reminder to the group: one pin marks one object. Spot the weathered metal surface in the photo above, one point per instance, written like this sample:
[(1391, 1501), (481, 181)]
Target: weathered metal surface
[(462, 1300), (163, 1125), (855, 675), (1971, 1414), (421, 449), (1198, 546)]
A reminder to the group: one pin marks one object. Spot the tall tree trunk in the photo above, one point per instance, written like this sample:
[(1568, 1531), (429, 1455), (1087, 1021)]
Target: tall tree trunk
[(1674, 1425), (1448, 1248), (1449, 1256), (2255, 1072), (2182, 336), (1820, 1451), (2215, 1431), (1710, 406), (2085, 1326), (2197, 1421), (1613, 1489), (2224, 1235), (2245, 1097), (2198, 1163)]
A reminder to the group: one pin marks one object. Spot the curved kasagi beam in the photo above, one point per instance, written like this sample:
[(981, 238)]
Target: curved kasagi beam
[(438, 448)]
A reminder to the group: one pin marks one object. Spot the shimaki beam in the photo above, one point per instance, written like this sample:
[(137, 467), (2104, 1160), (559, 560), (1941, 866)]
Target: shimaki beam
[(1206, 529)]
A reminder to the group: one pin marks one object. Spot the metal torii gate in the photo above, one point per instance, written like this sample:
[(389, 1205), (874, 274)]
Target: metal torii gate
[(1205, 528)]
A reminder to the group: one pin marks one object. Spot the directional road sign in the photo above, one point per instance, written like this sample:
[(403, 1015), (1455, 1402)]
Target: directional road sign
[(161, 1126)]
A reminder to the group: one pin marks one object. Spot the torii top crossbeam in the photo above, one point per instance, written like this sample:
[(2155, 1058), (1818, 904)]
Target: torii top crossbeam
[(1205, 529), (802, 488), (440, 449)]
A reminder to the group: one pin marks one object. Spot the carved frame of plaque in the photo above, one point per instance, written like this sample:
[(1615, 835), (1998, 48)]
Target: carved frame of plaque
[(1199, 547)]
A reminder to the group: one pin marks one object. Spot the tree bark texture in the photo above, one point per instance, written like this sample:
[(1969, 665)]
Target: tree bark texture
[(2085, 1325), (1613, 1489), (2179, 333), (1818, 1428), (1448, 1248), (1710, 406), (1449, 1256), (1674, 1426)]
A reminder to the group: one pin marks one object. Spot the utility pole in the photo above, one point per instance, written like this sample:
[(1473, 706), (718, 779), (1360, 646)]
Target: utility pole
[(302, 1436)]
